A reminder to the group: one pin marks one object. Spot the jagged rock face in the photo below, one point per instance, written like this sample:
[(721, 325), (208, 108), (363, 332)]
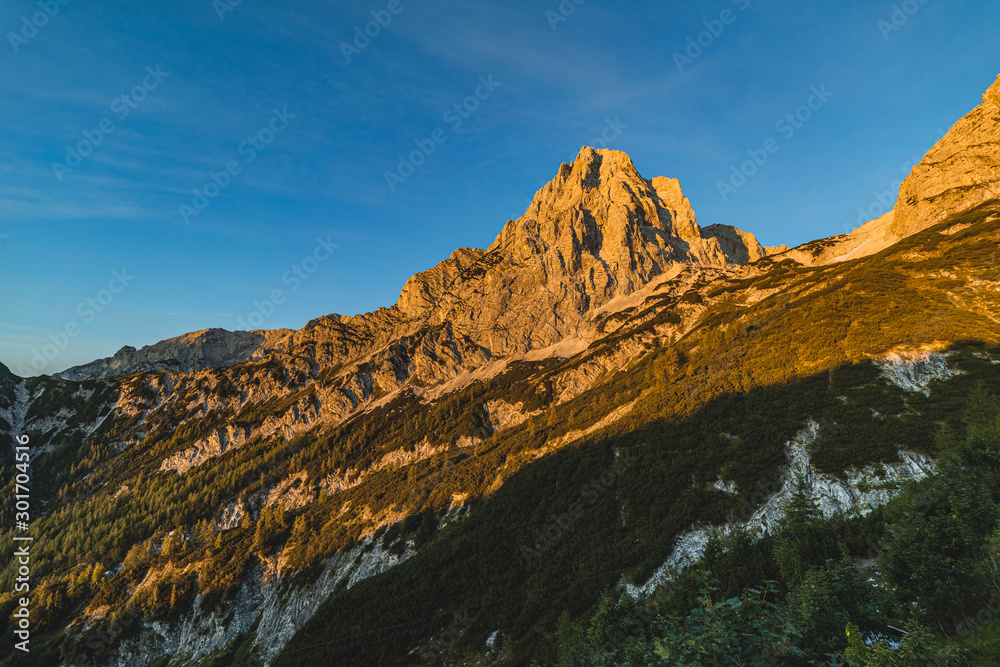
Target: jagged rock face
[(209, 348), (960, 172), (597, 231), (423, 291), (337, 339), (740, 246)]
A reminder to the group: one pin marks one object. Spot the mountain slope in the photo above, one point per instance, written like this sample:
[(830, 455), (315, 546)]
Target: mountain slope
[(327, 485), (958, 173), (718, 405)]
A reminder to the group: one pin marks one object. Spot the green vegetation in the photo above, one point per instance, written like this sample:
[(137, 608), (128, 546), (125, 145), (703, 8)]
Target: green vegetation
[(936, 576), (719, 402), (626, 531)]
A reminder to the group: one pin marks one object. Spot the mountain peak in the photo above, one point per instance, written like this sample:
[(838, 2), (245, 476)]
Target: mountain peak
[(601, 203), (593, 171), (992, 95), (604, 178), (958, 173), (597, 231)]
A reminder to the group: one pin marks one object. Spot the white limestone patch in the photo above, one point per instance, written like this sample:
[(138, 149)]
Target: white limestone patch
[(200, 633), (729, 488), (914, 370), (860, 491), (231, 515), (17, 413), (216, 444)]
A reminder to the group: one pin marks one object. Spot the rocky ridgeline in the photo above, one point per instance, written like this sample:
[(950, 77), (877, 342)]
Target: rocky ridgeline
[(210, 348), (595, 233), (960, 172)]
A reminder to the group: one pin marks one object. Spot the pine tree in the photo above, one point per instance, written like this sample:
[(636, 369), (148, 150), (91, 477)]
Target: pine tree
[(205, 532), (280, 519), (801, 511), (297, 542), (262, 532)]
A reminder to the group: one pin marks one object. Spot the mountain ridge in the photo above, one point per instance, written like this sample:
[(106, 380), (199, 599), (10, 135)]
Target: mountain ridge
[(598, 230), (362, 472)]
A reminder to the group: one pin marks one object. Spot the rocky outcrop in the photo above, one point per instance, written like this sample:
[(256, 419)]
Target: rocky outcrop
[(216, 444), (278, 610), (914, 370), (859, 492), (210, 348), (960, 172), (742, 247), (14, 416)]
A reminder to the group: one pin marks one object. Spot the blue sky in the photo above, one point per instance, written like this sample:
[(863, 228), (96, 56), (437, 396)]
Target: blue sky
[(201, 78)]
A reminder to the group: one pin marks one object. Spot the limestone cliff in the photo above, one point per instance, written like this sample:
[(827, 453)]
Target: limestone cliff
[(595, 232), (960, 172)]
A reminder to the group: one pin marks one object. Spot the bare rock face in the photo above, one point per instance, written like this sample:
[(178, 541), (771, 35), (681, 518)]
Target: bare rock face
[(961, 171), (596, 231), (741, 246), (198, 350), (422, 292)]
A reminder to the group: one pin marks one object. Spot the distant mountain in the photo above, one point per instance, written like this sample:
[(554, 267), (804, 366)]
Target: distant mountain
[(209, 348), (575, 409)]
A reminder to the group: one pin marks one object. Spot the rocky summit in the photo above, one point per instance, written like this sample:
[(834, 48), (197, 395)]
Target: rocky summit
[(549, 450), (595, 232)]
